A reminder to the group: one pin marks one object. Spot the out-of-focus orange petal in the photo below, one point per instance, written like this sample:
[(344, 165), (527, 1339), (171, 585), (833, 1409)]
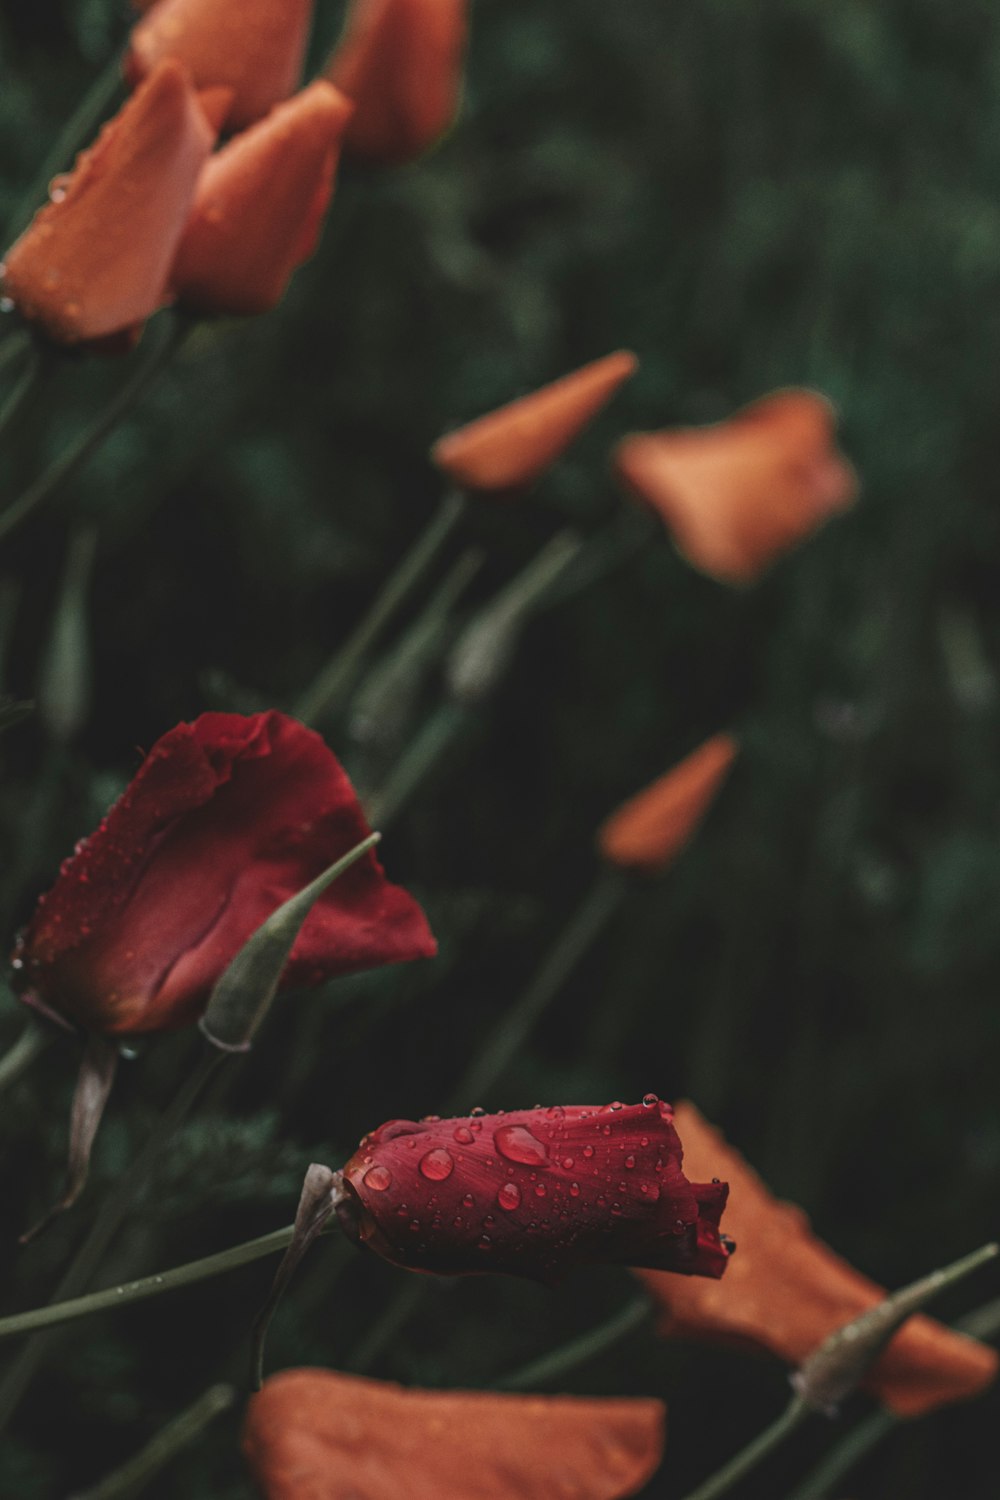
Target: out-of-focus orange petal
[(785, 1291), (738, 494), (216, 102), (316, 1435), (649, 831), (401, 63), (95, 260), (259, 206), (254, 47), (509, 448)]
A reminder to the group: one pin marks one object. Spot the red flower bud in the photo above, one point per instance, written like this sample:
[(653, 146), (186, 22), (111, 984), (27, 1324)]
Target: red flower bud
[(649, 831), (259, 207), (95, 260), (738, 494), (535, 1193), (226, 818), (254, 47)]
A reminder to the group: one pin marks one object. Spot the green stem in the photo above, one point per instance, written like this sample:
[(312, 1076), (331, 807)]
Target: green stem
[(128, 1292), (395, 1314), (338, 677), (75, 134), (579, 1351), (13, 346), (113, 1213), (517, 1023), (30, 384), (30, 1044), (179, 1434), (424, 754), (754, 1453), (64, 468), (841, 1460)]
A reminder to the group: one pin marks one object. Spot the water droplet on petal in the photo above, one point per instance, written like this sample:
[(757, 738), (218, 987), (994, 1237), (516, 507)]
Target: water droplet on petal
[(567, 1162), (377, 1179), (464, 1135), (540, 1190), (574, 1190), (617, 1105), (630, 1161), (650, 1101), (478, 1110), (588, 1151), (437, 1164), (509, 1196), (518, 1144), (468, 1201)]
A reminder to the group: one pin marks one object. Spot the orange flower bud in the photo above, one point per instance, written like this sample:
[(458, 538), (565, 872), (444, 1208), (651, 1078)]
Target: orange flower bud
[(326, 1435), (259, 207), (95, 260), (739, 493), (255, 47), (649, 831), (786, 1291), (401, 63), (508, 449)]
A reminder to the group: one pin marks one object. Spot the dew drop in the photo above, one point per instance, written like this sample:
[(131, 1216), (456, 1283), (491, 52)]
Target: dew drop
[(518, 1144), (478, 1110), (568, 1163), (617, 1105), (468, 1201), (588, 1151), (509, 1196), (464, 1135), (437, 1164), (414, 1225), (485, 1243), (377, 1179), (605, 1129), (650, 1101), (540, 1190), (574, 1190), (630, 1161)]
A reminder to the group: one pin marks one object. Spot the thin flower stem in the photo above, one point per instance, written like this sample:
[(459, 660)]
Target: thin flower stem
[(65, 467), (13, 346), (179, 1434), (112, 1215), (754, 1453), (128, 1292), (30, 1044), (394, 1316), (436, 737), (31, 381), (579, 1351), (338, 677), (75, 134)]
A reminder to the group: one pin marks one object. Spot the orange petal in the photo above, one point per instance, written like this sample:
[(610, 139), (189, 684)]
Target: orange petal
[(401, 63), (738, 494), (316, 1435), (216, 102), (509, 448), (259, 206), (785, 1290), (649, 831), (95, 260), (254, 47)]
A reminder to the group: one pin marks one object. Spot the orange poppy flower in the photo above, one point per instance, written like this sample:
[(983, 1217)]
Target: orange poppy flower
[(401, 63), (739, 493), (94, 261), (254, 47), (259, 207), (316, 1435), (785, 1291), (508, 449), (649, 831)]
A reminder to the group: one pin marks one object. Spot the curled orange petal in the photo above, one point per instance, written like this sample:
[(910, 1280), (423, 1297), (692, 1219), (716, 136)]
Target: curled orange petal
[(785, 1291), (509, 448), (738, 494), (316, 1435), (649, 831), (259, 206), (401, 63), (94, 261), (254, 47)]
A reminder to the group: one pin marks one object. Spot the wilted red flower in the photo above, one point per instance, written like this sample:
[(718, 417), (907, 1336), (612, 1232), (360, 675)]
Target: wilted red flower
[(255, 47), (94, 261), (787, 1290), (401, 63), (739, 493), (226, 818), (650, 830), (508, 449), (325, 1436), (259, 207), (535, 1193)]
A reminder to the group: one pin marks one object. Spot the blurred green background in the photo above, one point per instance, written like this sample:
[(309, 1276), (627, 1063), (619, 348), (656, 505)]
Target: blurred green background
[(749, 195)]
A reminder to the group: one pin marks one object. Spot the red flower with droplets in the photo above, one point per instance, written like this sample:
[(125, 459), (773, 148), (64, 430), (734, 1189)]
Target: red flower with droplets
[(534, 1193), (226, 819)]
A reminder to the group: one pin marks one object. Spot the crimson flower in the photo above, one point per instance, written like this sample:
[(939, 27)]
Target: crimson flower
[(94, 261), (259, 207), (327, 1436), (226, 818), (534, 1193)]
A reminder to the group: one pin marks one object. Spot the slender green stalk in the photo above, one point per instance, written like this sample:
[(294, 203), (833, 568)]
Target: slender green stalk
[(105, 1227), (30, 1044), (127, 1292), (66, 466), (133, 1476), (517, 1023), (75, 134), (394, 1316), (579, 1351), (13, 346), (32, 378), (338, 677), (841, 1459), (436, 737), (754, 1453)]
